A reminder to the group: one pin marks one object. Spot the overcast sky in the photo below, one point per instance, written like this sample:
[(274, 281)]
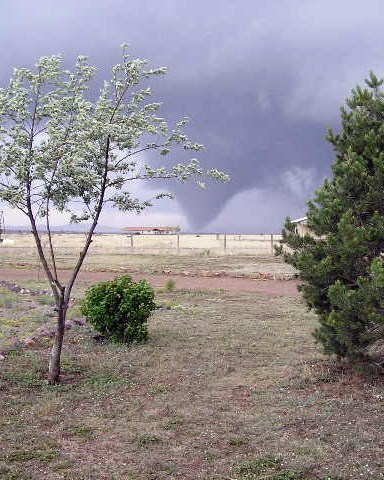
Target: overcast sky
[(261, 80)]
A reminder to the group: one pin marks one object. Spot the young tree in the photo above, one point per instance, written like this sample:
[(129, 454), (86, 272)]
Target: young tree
[(59, 148), (342, 264)]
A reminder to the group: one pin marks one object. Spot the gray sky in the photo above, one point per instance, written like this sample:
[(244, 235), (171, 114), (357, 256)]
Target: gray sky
[(261, 80)]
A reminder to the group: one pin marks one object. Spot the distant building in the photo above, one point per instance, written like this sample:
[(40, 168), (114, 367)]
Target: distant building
[(301, 226), (150, 230)]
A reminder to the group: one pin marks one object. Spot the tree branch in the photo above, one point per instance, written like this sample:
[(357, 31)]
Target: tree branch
[(148, 147), (88, 240)]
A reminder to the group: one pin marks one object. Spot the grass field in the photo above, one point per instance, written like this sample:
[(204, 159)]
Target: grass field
[(19, 249), (113, 253), (229, 386)]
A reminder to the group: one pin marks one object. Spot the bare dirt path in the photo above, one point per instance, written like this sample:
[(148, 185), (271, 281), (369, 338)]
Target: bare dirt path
[(269, 287)]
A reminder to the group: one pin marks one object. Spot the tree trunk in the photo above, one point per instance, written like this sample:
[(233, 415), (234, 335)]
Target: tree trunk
[(54, 361)]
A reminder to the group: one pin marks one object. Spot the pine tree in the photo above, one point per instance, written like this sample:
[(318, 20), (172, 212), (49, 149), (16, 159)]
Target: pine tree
[(342, 262)]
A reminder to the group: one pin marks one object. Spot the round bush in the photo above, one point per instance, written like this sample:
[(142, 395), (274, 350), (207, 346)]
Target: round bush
[(120, 309)]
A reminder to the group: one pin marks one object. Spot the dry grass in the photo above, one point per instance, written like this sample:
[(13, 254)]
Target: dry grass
[(113, 252), (229, 386)]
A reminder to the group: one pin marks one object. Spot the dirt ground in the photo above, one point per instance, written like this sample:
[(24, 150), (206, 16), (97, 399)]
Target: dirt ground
[(231, 284)]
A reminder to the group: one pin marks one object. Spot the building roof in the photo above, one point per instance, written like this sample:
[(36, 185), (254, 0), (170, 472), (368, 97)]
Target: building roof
[(300, 220), (149, 229)]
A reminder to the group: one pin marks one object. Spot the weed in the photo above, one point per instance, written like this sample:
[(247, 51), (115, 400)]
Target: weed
[(258, 466), (64, 465), (45, 300), (288, 475), (71, 367), (30, 371), (104, 380), (7, 472), (7, 299), (173, 423), (184, 307), (331, 477), (86, 433), (147, 440), (160, 389), (170, 285), (24, 379), (28, 455), (237, 441), (268, 467)]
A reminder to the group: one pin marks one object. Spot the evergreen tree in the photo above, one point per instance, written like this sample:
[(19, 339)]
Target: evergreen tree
[(342, 262)]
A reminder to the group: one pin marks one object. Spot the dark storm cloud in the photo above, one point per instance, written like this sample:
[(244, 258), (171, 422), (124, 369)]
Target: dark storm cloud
[(261, 80)]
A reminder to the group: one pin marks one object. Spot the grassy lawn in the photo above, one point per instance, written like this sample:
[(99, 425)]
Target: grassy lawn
[(229, 386)]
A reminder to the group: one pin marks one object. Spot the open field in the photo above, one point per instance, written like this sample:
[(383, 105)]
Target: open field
[(229, 386), (113, 253), (69, 245)]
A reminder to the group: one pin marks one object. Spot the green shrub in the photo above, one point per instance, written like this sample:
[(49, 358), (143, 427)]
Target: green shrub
[(119, 309), (170, 285)]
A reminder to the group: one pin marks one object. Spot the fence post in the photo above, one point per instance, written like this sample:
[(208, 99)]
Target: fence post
[(225, 242), (132, 242), (272, 250), (178, 244)]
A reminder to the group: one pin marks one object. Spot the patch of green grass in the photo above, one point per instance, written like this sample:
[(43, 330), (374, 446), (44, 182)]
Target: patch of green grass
[(170, 285), (27, 372), (64, 465), (45, 300), (147, 440), (7, 299), (10, 322), (158, 389), (268, 467), (237, 441), (24, 379), (28, 455), (40, 317), (289, 475), (104, 379), (173, 423), (11, 472), (258, 466), (71, 366), (86, 433)]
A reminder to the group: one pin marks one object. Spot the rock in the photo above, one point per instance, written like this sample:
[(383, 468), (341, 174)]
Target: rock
[(43, 332), (68, 325), (2, 357), (30, 342), (219, 274)]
